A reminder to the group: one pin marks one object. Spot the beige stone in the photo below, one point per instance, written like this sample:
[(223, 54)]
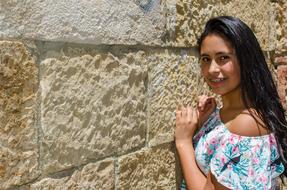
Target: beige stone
[(18, 132), (281, 27), (174, 79), (93, 106), (150, 168), (88, 21), (192, 15), (94, 176), (282, 84)]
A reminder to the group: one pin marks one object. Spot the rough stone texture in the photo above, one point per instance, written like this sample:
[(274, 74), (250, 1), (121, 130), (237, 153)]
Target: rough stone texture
[(281, 27), (93, 106), (92, 176), (152, 168), (282, 84), (18, 84), (173, 79), (88, 21), (192, 15)]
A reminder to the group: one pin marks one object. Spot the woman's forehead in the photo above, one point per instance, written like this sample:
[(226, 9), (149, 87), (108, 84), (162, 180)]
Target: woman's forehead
[(215, 44)]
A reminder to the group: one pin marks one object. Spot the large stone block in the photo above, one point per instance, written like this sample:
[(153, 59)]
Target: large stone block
[(93, 176), (93, 106), (186, 26), (18, 112), (174, 79), (152, 168), (281, 27), (88, 21)]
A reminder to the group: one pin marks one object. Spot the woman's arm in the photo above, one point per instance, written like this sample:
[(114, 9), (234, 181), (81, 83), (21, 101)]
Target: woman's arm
[(186, 124), (194, 178)]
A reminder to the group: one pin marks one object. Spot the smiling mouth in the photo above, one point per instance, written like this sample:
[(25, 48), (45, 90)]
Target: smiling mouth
[(217, 80)]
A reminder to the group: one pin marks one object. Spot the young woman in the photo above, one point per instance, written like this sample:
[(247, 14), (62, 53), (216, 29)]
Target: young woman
[(243, 144)]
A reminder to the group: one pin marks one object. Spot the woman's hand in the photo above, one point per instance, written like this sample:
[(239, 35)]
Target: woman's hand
[(186, 124), (205, 107)]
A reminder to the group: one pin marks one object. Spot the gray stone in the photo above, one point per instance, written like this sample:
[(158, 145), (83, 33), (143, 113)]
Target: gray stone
[(87, 21), (93, 106)]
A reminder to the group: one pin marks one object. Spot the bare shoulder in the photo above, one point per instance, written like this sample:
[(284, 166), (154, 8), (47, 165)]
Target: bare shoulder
[(248, 123)]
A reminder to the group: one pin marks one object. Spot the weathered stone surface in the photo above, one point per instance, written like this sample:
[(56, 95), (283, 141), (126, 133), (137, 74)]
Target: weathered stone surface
[(88, 21), (281, 27), (174, 79), (282, 84), (193, 14), (18, 84), (93, 106), (92, 176), (148, 169)]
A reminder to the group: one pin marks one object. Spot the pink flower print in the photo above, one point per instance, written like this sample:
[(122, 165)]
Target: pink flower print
[(256, 148), (229, 167), (235, 149), (223, 160), (232, 140), (272, 141), (223, 145), (263, 179), (256, 160), (213, 142), (209, 151), (251, 172)]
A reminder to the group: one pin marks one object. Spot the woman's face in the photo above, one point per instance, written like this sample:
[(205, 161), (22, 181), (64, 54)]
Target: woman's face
[(219, 64)]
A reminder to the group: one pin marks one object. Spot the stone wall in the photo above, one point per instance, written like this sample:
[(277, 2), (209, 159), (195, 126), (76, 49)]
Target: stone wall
[(89, 88)]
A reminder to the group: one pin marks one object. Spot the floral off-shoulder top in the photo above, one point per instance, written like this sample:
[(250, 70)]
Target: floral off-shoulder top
[(237, 162)]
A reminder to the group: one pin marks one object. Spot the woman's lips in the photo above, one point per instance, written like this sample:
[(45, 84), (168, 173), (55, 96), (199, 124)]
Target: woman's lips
[(217, 82)]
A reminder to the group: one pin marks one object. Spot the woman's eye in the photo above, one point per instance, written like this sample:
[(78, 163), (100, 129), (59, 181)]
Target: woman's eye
[(204, 60), (223, 58)]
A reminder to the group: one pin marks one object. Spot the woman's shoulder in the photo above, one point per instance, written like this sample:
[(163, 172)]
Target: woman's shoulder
[(248, 123)]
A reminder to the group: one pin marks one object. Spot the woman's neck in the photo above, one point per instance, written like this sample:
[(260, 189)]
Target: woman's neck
[(233, 99)]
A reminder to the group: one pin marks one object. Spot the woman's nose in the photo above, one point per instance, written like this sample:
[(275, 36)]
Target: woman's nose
[(214, 68)]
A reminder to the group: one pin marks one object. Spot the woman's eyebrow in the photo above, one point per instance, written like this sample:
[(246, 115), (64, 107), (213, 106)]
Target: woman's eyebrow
[(204, 54), (220, 53)]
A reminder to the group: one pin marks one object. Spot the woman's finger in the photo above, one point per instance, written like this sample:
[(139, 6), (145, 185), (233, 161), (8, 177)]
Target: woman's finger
[(183, 112), (202, 102), (189, 113), (178, 114), (195, 115)]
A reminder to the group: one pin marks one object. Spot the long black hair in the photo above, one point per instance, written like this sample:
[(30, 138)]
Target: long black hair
[(258, 87)]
